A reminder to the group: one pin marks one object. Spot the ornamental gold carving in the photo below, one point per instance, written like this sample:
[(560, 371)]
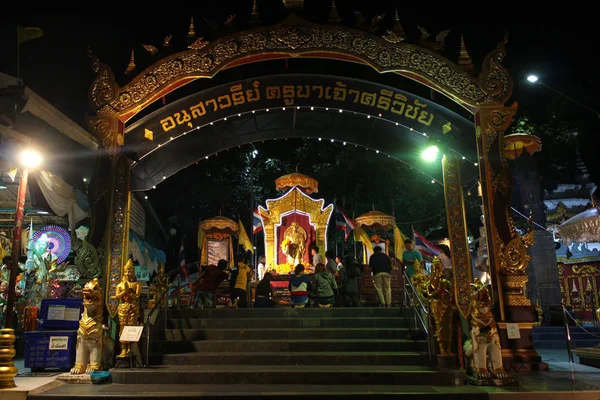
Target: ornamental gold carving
[(585, 270), (296, 37), (455, 210), (106, 128), (105, 89), (495, 79)]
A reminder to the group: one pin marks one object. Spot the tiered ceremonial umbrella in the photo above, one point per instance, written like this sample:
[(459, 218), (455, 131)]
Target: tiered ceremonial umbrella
[(583, 227)]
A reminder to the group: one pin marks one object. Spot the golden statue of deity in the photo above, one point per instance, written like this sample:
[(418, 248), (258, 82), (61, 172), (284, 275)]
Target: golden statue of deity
[(420, 281), (128, 294), (160, 283), (294, 244), (485, 351), (440, 294)]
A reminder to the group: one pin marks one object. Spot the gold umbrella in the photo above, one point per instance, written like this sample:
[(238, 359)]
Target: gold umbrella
[(219, 224), (515, 143), (376, 220), (583, 227)]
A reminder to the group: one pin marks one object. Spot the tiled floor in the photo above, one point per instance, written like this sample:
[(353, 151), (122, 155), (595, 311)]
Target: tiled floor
[(561, 379)]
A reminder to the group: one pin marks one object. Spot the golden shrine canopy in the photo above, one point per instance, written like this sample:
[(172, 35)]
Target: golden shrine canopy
[(294, 222), (376, 220), (307, 184), (222, 224)]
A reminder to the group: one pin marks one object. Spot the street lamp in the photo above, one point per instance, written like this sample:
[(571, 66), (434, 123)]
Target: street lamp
[(29, 158), (535, 79)]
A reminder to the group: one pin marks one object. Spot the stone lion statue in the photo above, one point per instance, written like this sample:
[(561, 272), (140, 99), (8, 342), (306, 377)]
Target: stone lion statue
[(484, 348), (94, 348)]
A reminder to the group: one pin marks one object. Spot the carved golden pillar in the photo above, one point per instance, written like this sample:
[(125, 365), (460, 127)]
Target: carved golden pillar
[(457, 231), (507, 249), (110, 131)]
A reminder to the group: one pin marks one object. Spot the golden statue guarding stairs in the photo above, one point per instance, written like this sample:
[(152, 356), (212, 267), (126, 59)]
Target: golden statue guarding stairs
[(484, 348), (440, 294), (159, 285), (94, 348), (294, 243), (128, 294)]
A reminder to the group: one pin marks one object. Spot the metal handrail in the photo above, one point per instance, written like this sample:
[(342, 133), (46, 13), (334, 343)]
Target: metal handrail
[(156, 306), (568, 333), (426, 325)]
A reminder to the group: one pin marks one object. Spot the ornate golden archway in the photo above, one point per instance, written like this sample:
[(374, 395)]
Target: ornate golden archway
[(484, 96)]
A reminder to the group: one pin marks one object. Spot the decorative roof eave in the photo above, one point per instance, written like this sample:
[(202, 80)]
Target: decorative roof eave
[(312, 206), (297, 38)]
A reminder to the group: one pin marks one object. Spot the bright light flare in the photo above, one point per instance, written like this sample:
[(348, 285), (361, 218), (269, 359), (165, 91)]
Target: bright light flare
[(533, 78), (30, 158), (430, 153)]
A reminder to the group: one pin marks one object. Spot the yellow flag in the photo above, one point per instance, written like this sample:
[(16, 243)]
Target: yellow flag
[(361, 236), (200, 237), (25, 33), (243, 239), (399, 239)]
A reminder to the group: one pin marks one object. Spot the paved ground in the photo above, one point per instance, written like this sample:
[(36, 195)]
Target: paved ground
[(560, 382)]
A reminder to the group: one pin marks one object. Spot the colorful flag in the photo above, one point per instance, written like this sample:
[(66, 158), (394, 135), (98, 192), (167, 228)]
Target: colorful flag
[(244, 240), (344, 223), (399, 239), (256, 222), (12, 174), (25, 33), (184, 270), (426, 247), (361, 236)]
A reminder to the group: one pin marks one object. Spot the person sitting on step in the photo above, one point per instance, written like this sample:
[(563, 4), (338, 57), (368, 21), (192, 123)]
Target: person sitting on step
[(300, 287), (325, 287), (265, 293)]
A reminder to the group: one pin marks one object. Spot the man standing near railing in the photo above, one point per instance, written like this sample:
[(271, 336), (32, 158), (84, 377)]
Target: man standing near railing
[(409, 256)]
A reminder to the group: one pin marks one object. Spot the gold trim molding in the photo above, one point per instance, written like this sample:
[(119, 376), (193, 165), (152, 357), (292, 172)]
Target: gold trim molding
[(295, 37)]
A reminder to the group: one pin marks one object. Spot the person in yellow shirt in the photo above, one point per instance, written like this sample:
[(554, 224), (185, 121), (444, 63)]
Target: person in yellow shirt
[(244, 274)]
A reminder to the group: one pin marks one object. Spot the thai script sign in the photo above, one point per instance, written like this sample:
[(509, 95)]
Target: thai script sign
[(280, 91)]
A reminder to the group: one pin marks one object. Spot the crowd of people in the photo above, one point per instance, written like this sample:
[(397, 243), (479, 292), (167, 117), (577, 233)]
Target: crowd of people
[(319, 289)]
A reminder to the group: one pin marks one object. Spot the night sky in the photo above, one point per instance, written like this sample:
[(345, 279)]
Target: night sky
[(56, 65)]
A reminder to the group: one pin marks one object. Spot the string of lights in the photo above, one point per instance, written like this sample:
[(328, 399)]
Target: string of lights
[(431, 178)]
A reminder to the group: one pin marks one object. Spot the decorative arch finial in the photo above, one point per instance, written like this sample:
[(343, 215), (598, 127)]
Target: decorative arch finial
[(131, 68), (494, 79), (191, 31), (464, 59), (397, 34), (104, 89)]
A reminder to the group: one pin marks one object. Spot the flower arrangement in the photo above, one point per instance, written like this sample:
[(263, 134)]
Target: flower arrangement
[(286, 269), (284, 244)]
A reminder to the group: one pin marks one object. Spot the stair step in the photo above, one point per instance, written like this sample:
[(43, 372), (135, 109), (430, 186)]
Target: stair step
[(289, 333), (247, 323), (242, 391), (289, 375), (562, 344), (286, 312), (292, 358), (304, 345)]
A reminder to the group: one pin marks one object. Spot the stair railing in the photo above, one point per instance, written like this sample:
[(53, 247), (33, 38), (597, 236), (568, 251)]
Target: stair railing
[(158, 303), (420, 311)]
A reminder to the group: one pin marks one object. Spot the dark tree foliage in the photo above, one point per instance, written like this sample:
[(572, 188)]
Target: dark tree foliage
[(354, 178)]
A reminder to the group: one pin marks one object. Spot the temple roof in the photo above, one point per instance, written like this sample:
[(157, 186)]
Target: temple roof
[(305, 183)]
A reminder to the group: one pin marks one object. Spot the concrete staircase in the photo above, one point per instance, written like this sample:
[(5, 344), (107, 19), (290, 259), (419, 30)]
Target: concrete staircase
[(555, 337), (289, 346), (308, 354)]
